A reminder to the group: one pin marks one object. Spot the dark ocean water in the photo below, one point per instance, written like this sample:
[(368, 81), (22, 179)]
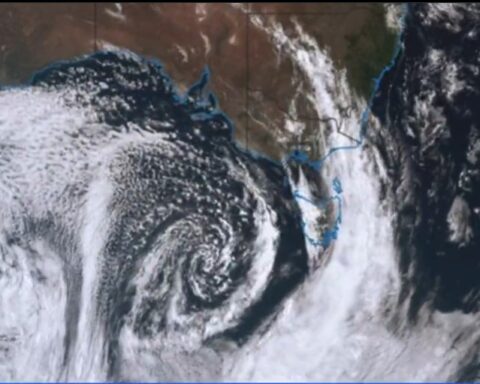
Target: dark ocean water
[(198, 200), (428, 104), (204, 240)]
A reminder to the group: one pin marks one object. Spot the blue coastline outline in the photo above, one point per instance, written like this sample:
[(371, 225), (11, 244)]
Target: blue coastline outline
[(207, 105), (301, 157)]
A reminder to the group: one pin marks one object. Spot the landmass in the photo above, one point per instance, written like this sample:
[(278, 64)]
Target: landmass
[(255, 83)]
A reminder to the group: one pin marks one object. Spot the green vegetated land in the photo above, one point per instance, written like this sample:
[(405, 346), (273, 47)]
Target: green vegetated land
[(369, 51)]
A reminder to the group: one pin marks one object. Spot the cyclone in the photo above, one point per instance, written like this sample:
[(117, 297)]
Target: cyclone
[(140, 242), (158, 228)]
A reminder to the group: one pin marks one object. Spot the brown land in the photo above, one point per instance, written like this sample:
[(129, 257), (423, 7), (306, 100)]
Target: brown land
[(187, 37)]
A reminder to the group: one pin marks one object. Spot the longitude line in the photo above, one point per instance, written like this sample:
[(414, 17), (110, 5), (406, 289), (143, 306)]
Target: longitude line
[(247, 74), (95, 27)]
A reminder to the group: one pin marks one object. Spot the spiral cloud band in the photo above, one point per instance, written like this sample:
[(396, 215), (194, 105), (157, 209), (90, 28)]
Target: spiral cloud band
[(142, 239)]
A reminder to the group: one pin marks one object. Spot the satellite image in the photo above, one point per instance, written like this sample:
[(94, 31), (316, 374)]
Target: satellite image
[(239, 192)]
